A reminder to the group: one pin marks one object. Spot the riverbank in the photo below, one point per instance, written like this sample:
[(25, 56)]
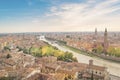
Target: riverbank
[(113, 68), (91, 54)]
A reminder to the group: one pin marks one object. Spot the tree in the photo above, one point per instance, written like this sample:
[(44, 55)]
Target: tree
[(67, 36), (61, 57), (36, 52), (8, 56), (114, 51), (57, 53), (75, 59), (94, 50), (30, 50), (8, 78), (99, 49), (19, 48), (6, 48), (117, 52), (67, 56), (25, 50), (111, 51), (47, 50)]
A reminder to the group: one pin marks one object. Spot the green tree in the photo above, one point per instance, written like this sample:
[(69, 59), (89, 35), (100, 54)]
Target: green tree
[(8, 56), (47, 51), (36, 52), (74, 59), (25, 50), (7, 48), (67, 36), (7, 78), (99, 49), (117, 52), (114, 51), (111, 51), (19, 48), (67, 56)]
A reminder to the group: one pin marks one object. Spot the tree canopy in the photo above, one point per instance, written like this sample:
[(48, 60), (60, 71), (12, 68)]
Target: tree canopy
[(49, 51)]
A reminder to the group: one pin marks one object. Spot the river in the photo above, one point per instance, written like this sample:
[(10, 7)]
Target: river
[(113, 67)]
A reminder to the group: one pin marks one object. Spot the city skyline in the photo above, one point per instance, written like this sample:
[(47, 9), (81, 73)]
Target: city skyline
[(59, 15)]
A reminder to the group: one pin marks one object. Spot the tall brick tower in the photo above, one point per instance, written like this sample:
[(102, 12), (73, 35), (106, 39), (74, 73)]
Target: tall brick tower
[(95, 38), (95, 33), (105, 41)]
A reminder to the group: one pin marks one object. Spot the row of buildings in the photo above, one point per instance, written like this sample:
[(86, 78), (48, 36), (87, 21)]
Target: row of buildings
[(87, 41), (23, 66)]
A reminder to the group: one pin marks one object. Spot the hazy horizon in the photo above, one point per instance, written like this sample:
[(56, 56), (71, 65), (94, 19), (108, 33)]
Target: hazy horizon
[(18, 16)]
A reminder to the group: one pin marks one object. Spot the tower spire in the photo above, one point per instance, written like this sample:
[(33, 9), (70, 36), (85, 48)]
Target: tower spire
[(95, 35), (105, 41), (95, 38), (95, 31)]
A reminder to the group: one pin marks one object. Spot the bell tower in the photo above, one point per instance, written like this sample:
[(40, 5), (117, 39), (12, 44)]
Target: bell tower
[(95, 32), (105, 41), (95, 38)]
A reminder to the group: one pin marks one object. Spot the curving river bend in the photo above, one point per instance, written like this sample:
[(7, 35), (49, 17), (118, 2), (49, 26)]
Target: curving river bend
[(113, 68)]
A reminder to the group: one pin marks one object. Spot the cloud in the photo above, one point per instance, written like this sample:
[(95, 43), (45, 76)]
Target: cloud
[(81, 16), (90, 13)]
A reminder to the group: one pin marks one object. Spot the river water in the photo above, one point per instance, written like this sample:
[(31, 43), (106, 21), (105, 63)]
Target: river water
[(113, 67)]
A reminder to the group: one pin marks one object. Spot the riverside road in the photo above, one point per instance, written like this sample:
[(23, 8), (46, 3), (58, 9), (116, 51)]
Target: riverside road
[(113, 67)]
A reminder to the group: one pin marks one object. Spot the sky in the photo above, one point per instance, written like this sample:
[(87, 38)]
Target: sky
[(59, 15)]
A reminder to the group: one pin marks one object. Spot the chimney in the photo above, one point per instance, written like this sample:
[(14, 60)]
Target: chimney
[(90, 62)]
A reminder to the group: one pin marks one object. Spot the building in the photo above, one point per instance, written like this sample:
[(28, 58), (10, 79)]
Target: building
[(95, 39), (105, 43)]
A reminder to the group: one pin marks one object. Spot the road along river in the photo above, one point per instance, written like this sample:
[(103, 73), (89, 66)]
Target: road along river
[(113, 68)]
